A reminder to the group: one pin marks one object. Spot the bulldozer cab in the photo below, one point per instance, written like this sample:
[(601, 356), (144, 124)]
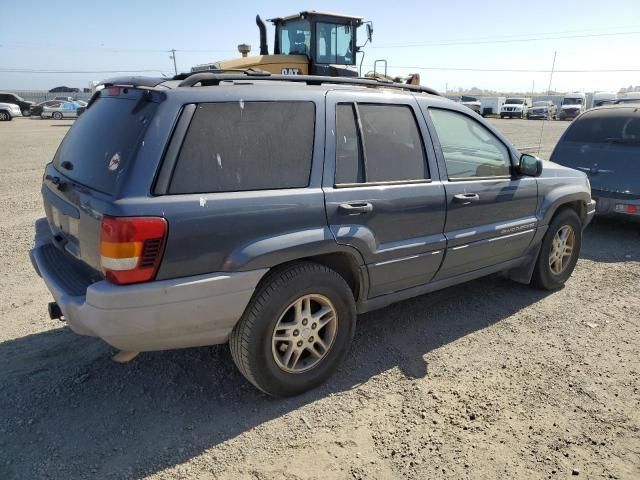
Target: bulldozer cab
[(328, 40)]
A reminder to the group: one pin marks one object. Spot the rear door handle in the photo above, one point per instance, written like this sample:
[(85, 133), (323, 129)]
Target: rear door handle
[(354, 208), (466, 198)]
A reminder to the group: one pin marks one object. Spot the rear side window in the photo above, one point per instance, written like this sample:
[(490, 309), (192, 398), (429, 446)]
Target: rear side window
[(239, 146), (606, 126), (102, 142), (393, 149)]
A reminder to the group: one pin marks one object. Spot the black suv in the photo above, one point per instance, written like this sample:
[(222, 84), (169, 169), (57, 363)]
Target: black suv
[(268, 211), (6, 97)]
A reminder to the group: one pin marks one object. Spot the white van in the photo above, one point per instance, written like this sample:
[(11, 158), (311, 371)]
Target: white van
[(573, 104), (603, 98)]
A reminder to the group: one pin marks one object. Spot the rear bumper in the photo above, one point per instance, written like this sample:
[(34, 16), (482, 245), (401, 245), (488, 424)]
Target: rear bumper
[(615, 207), (184, 312)]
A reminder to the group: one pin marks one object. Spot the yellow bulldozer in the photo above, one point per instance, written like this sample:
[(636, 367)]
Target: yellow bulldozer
[(309, 43)]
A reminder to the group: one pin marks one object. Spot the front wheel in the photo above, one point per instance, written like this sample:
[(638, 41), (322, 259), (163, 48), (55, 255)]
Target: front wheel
[(26, 112), (296, 330), (4, 116), (559, 252), (57, 116)]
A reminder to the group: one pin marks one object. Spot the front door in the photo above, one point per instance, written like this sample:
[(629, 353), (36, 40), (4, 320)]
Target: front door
[(382, 192), (490, 213)]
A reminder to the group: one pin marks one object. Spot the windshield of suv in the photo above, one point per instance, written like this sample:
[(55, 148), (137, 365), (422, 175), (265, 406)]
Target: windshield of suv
[(619, 126), (572, 101), (295, 38), (465, 98), (104, 139), (514, 101)]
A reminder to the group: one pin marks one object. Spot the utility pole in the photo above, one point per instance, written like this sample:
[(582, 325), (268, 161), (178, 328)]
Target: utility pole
[(173, 56)]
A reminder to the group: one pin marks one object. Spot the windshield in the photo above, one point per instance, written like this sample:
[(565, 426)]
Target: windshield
[(465, 98), (295, 38), (102, 142), (514, 101), (606, 126), (335, 43), (572, 101), (540, 104)]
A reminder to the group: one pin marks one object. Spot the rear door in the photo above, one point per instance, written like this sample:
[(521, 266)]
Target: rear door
[(490, 214), (381, 186)]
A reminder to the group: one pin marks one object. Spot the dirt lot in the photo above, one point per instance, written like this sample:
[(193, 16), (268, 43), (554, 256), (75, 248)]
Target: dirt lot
[(487, 380)]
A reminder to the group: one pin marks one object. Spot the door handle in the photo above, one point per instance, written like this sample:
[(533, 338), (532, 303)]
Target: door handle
[(466, 198), (354, 208)]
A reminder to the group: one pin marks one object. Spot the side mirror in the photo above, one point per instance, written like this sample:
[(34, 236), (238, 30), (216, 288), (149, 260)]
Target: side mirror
[(530, 165), (369, 31)]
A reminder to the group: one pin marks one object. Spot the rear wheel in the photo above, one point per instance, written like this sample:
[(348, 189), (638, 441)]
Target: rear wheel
[(4, 116), (559, 252), (57, 115), (296, 330), (26, 112)]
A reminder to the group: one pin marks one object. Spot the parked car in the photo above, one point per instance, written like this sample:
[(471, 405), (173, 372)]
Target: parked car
[(235, 218), (7, 97), (544, 109), (471, 102), (36, 109), (573, 104), (603, 98), (60, 111), (8, 111), (604, 143), (63, 89), (515, 107)]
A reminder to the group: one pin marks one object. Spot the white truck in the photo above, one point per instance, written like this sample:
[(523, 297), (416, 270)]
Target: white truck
[(573, 104), (515, 107)]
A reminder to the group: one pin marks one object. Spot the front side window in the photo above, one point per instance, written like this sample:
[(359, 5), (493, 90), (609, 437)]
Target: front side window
[(388, 148), (469, 149), (335, 43), (240, 146), (295, 38)]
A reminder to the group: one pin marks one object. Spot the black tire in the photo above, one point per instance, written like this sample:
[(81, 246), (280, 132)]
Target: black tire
[(56, 116), (26, 112), (543, 276), (251, 339), (502, 116)]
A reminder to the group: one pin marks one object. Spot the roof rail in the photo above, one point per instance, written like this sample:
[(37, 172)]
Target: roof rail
[(215, 77)]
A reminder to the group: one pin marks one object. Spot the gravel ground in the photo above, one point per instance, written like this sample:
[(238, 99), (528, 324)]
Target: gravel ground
[(485, 380)]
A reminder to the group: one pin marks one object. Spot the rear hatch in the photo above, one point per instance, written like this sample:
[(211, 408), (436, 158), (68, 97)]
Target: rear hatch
[(91, 165), (605, 144)]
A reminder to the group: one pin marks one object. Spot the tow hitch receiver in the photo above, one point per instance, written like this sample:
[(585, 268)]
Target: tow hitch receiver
[(54, 311)]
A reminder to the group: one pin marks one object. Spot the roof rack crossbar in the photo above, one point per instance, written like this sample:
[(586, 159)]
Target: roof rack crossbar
[(215, 78)]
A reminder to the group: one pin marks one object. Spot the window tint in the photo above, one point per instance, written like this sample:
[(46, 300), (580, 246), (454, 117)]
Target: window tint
[(238, 146), (469, 149), (393, 145), (606, 126), (103, 141), (295, 38), (349, 167)]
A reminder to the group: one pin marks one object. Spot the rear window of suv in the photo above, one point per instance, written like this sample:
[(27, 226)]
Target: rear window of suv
[(616, 125), (103, 141), (240, 146)]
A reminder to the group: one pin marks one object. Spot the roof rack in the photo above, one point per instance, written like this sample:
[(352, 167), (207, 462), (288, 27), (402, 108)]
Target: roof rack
[(215, 77)]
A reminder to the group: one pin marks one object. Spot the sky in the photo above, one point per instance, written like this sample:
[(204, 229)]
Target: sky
[(454, 44)]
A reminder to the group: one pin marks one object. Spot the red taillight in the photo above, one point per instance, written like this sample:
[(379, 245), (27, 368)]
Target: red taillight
[(131, 248)]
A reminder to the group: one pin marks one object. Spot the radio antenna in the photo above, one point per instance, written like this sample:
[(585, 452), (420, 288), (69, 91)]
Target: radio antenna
[(553, 66)]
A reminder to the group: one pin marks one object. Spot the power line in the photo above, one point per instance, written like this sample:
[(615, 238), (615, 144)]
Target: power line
[(513, 70), (501, 40), (31, 70)]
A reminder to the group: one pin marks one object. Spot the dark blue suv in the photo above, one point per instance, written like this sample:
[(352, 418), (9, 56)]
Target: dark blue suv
[(268, 211)]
